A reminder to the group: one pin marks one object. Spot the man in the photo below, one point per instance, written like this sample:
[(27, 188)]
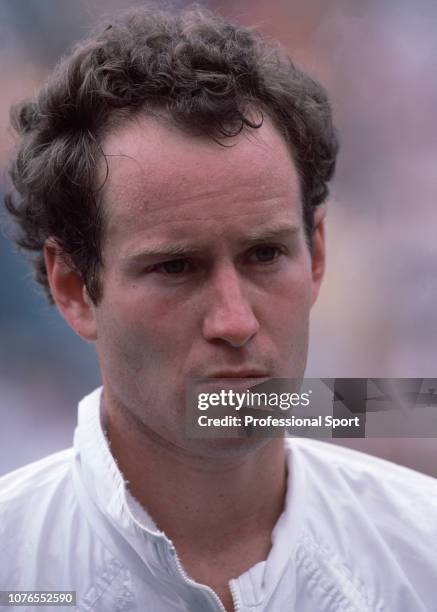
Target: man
[(171, 181)]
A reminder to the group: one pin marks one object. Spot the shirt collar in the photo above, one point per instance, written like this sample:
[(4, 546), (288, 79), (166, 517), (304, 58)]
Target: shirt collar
[(258, 584), (105, 484)]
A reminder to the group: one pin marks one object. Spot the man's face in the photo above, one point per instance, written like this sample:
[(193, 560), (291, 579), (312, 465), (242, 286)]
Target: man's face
[(206, 269)]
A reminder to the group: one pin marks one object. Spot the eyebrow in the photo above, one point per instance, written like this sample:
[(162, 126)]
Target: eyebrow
[(188, 249), (271, 232)]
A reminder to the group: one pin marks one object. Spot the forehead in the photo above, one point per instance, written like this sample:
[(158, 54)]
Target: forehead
[(161, 179)]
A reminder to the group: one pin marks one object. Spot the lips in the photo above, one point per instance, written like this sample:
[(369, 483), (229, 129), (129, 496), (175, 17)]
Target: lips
[(242, 380), (238, 374)]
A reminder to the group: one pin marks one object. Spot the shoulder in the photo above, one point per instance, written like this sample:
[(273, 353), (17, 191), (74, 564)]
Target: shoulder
[(22, 484), (47, 538), (372, 520), (37, 502), (364, 473), (382, 487)]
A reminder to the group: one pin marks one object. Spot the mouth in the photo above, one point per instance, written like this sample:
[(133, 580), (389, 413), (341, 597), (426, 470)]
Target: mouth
[(246, 374), (238, 381)]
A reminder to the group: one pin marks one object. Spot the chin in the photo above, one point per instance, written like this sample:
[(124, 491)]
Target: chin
[(224, 448)]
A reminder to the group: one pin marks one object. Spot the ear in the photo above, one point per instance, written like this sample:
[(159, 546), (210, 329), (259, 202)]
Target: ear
[(318, 251), (69, 292)]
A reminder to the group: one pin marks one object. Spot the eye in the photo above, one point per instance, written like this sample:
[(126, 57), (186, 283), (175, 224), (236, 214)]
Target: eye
[(174, 266), (266, 254)]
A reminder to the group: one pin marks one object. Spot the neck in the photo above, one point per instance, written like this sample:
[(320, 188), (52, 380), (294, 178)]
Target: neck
[(201, 502)]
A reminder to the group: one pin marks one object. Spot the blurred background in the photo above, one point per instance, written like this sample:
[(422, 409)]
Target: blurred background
[(376, 315)]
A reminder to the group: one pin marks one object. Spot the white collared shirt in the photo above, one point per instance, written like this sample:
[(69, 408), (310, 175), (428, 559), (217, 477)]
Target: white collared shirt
[(357, 534)]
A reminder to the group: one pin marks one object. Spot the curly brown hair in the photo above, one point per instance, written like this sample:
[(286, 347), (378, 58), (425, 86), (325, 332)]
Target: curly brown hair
[(205, 74)]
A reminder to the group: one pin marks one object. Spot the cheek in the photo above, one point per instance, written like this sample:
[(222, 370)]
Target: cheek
[(287, 319), (139, 333), (290, 298)]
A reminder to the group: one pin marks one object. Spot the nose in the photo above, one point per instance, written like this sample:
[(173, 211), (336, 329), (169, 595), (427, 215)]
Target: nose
[(229, 317)]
